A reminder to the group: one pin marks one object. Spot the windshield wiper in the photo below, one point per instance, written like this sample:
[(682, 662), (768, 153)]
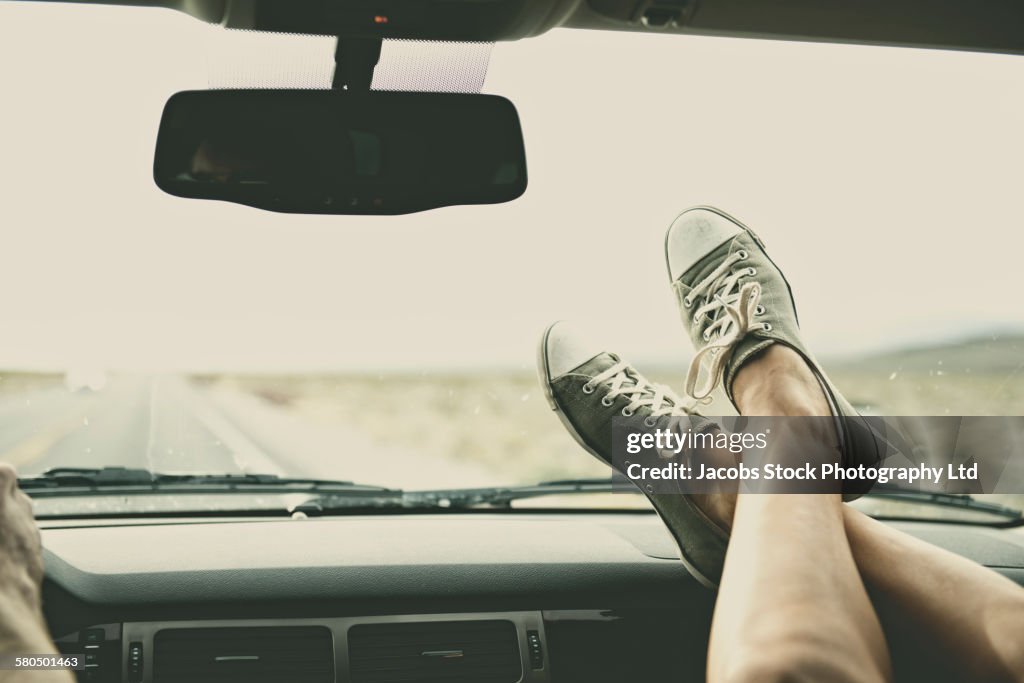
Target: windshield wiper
[(330, 493), (939, 499), (326, 495), (504, 496), (84, 480)]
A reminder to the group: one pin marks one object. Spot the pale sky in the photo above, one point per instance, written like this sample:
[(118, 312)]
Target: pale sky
[(886, 182)]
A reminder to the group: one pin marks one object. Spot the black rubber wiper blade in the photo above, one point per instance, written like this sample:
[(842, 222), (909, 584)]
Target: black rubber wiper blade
[(504, 496), (949, 500), (59, 477), (100, 479), (268, 480)]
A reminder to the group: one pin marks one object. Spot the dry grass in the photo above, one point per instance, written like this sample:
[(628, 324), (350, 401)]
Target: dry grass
[(501, 420), (14, 383)]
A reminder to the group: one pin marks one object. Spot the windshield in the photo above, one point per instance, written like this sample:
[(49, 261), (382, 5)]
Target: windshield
[(147, 331)]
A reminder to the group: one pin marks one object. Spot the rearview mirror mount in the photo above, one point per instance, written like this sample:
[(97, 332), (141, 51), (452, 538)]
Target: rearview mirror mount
[(340, 151)]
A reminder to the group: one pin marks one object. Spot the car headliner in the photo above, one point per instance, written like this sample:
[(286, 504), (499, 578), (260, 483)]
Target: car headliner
[(990, 26)]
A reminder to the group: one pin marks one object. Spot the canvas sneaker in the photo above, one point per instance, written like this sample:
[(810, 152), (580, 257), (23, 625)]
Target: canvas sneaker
[(735, 302), (588, 387)]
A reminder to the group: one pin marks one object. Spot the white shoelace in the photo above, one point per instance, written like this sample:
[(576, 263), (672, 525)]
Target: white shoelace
[(623, 380), (731, 308)]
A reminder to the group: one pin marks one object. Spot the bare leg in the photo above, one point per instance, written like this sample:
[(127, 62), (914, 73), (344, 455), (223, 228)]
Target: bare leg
[(977, 638), (912, 580), (792, 606)]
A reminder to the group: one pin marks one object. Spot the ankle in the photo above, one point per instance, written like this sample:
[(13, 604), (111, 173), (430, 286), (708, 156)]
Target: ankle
[(782, 397), (778, 382)]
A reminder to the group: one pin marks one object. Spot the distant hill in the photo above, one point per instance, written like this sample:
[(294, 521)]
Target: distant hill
[(997, 354)]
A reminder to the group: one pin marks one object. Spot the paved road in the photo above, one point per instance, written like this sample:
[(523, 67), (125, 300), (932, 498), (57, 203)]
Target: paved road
[(170, 424), (159, 423)]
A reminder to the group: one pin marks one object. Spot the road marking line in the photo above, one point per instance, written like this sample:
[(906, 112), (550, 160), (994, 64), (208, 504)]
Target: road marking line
[(39, 444), (247, 455)]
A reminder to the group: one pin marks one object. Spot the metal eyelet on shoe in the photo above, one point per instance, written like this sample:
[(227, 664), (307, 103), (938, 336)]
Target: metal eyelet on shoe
[(751, 271), (742, 254), (707, 337), (587, 388), (605, 401), (759, 310), (687, 302), (767, 327), (626, 412), (650, 421)]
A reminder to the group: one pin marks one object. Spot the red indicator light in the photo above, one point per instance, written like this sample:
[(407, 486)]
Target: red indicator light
[(380, 19)]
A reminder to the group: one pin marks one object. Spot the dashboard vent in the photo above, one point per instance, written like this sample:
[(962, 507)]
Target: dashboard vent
[(299, 654), (445, 651)]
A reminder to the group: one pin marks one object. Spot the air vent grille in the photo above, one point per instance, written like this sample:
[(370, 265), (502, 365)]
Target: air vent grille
[(448, 651), (300, 654)]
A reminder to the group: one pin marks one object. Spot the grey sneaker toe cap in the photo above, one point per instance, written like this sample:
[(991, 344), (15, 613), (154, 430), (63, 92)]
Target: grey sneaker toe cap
[(566, 348), (693, 234)]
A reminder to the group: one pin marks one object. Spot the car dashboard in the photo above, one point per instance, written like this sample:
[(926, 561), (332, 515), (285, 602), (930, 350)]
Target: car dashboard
[(489, 597)]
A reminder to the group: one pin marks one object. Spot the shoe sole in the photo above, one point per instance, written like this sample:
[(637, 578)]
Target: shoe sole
[(544, 375)]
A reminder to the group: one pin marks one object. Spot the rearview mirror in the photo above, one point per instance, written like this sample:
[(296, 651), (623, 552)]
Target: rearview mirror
[(339, 151)]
